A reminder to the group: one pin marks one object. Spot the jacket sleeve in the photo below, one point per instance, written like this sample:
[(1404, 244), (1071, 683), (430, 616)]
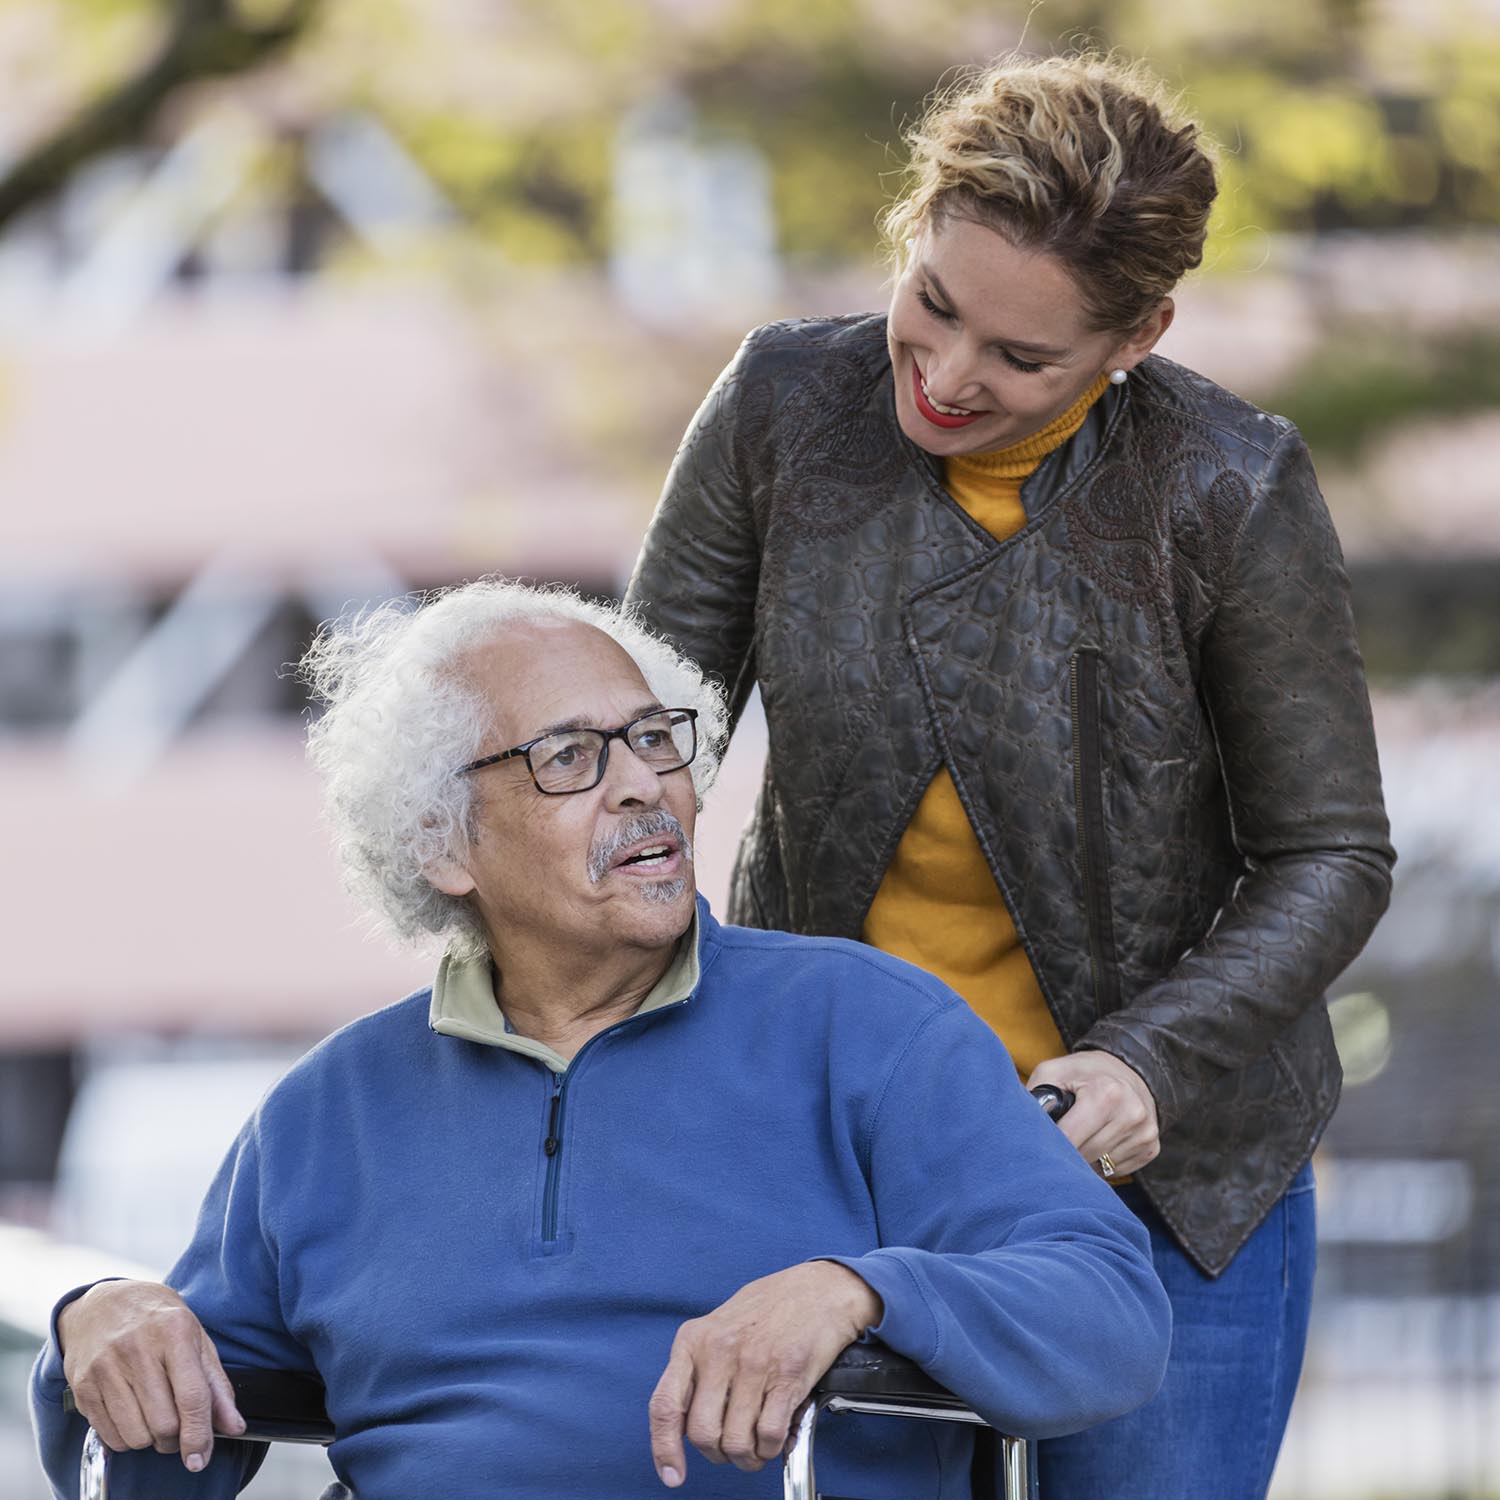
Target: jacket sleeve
[(1009, 1272), (696, 578), (228, 1277), (1283, 683)]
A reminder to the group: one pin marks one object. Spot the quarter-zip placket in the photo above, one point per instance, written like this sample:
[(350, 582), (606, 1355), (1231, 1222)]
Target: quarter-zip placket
[(553, 1142)]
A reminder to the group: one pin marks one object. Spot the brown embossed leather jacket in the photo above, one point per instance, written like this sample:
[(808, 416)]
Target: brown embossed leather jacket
[(1150, 699)]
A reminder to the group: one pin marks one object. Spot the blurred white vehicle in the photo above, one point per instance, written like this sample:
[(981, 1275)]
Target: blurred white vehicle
[(143, 1140)]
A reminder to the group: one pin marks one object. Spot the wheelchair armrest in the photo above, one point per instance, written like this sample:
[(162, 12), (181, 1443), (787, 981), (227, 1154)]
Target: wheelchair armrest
[(277, 1405), (868, 1377), (280, 1407), (873, 1372)]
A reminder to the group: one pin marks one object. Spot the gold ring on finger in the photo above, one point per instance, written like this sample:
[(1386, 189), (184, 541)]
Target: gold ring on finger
[(1106, 1165)]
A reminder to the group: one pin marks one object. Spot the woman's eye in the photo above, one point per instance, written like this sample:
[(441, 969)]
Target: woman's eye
[(1026, 366), (933, 308), (1019, 364)]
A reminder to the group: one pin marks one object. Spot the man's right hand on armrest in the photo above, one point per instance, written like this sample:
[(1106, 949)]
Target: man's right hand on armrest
[(144, 1373)]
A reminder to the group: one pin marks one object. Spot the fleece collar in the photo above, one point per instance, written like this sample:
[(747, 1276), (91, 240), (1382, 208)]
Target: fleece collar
[(464, 1005)]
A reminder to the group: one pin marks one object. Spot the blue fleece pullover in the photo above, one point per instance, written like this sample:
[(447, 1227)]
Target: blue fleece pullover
[(490, 1317)]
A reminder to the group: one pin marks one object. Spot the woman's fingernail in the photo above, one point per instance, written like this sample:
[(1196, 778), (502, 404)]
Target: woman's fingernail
[(194, 1461), (670, 1477)]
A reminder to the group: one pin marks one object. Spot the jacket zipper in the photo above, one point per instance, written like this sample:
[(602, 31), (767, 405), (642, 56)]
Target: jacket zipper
[(1088, 795), (552, 1146)]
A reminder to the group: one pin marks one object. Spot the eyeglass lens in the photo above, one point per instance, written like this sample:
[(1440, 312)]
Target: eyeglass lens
[(569, 761)]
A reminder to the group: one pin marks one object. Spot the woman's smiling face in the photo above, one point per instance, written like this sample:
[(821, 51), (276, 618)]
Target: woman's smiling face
[(989, 343)]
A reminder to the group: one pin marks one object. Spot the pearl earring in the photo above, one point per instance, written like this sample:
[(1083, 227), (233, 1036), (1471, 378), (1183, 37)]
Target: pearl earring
[(1118, 377)]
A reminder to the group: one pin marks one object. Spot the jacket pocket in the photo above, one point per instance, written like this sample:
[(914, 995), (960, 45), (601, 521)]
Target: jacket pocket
[(1093, 842)]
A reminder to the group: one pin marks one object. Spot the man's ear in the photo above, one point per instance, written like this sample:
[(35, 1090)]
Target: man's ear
[(1140, 341), (449, 877)]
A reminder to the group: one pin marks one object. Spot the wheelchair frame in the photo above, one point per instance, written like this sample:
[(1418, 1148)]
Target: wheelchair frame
[(866, 1378)]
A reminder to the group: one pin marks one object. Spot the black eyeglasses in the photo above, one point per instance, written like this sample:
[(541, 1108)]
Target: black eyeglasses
[(574, 760)]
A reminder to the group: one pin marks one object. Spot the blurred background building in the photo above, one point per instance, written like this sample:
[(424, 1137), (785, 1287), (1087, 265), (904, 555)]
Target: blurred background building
[(309, 303)]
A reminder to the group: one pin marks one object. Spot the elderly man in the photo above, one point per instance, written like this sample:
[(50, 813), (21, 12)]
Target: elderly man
[(624, 1177)]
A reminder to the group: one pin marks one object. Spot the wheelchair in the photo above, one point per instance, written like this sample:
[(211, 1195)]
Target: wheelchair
[(868, 1378)]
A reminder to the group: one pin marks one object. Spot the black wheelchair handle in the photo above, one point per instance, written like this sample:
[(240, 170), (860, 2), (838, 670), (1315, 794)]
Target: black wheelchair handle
[(1055, 1102)]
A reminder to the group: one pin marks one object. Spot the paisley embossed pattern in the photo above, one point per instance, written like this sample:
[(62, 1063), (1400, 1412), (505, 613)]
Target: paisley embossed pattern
[(803, 543)]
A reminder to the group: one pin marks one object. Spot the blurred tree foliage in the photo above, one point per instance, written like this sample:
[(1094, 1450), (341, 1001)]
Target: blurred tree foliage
[(193, 40), (1354, 390), (1367, 114)]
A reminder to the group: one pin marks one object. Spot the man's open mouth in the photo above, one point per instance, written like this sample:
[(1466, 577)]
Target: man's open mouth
[(651, 843), (652, 854)]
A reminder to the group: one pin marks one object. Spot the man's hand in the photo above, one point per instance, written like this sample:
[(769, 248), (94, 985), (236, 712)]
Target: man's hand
[(1114, 1113), (143, 1371), (736, 1376)]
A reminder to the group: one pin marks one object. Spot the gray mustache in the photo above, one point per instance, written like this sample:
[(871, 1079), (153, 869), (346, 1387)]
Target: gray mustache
[(643, 826)]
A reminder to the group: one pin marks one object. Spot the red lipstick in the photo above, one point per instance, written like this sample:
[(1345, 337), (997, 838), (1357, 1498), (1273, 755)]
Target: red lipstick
[(929, 411)]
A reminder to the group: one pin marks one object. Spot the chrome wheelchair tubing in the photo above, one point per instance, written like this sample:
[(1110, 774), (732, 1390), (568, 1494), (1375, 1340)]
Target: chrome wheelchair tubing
[(875, 1407), (1015, 1468), (93, 1468), (799, 1481)]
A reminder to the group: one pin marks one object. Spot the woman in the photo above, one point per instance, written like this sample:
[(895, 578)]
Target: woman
[(1064, 702)]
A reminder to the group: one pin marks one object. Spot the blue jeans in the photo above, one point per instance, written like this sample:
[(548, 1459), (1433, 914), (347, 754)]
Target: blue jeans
[(1214, 1428)]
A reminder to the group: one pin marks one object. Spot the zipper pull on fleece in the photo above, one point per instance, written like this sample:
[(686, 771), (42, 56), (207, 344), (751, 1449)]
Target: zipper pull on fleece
[(551, 1144)]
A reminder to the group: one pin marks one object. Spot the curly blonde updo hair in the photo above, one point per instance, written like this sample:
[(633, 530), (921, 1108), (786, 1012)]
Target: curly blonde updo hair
[(1082, 157)]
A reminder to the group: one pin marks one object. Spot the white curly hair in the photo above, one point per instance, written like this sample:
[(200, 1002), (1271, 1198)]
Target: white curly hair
[(399, 720)]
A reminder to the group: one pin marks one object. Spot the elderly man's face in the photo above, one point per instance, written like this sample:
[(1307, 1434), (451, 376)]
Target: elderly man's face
[(559, 867)]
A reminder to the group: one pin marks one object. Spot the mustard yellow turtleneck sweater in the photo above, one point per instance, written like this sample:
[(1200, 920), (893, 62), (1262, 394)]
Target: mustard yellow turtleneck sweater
[(938, 905)]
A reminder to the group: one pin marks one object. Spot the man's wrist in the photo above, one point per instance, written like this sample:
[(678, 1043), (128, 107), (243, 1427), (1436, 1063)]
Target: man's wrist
[(863, 1304), (64, 1314), (66, 1310)]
